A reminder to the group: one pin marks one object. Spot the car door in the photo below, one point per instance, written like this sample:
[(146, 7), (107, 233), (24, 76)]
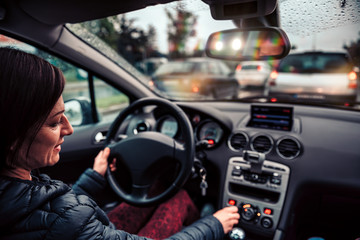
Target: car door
[(85, 94)]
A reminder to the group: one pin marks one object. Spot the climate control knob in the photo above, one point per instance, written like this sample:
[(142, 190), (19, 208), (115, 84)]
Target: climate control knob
[(248, 212), (266, 222)]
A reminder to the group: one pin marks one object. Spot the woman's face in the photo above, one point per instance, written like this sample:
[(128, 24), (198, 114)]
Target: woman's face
[(45, 148)]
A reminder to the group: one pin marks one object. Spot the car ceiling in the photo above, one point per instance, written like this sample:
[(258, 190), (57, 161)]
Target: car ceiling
[(57, 12)]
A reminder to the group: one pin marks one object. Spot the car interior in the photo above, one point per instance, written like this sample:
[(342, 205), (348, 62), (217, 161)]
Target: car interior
[(292, 168)]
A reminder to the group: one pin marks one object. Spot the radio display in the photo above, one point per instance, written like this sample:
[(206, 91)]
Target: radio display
[(277, 118)]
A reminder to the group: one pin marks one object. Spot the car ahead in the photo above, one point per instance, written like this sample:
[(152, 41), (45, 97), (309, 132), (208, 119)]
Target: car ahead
[(149, 65), (291, 166), (252, 73), (202, 77), (315, 76)]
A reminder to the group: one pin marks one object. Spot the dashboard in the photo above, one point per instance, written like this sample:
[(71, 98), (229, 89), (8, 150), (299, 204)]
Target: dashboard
[(209, 131), (275, 162)]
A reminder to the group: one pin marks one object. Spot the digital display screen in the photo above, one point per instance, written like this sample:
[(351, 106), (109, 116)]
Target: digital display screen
[(277, 118)]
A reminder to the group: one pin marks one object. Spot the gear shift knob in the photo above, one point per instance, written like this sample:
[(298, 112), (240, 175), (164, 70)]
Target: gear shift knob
[(237, 234)]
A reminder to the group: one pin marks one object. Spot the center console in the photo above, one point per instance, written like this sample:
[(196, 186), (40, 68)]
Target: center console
[(258, 188)]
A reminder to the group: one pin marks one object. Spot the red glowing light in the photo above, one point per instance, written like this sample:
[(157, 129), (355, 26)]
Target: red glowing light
[(232, 202), (211, 142), (238, 68), (195, 89), (273, 100), (274, 74), (352, 76), (268, 211), (261, 116)]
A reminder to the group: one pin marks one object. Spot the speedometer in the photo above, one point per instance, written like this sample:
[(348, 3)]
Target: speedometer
[(169, 126), (211, 132)]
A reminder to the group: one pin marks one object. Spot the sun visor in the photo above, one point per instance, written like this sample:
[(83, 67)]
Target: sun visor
[(56, 12)]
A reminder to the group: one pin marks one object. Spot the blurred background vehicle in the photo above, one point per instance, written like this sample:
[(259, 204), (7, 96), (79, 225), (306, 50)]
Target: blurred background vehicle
[(149, 65), (252, 73), (200, 77), (317, 76)]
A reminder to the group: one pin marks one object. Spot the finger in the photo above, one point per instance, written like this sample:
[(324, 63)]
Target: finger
[(99, 154), (113, 165), (234, 221), (233, 209), (106, 152)]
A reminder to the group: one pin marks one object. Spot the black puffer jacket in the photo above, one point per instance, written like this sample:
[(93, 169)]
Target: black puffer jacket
[(49, 209)]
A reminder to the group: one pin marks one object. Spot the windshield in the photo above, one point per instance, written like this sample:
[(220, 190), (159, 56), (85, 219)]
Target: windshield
[(324, 37)]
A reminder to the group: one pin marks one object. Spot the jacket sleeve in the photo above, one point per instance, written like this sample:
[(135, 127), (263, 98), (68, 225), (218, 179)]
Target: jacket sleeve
[(90, 183), (206, 228)]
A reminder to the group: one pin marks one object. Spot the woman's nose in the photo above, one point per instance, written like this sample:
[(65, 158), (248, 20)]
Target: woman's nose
[(67, 129)]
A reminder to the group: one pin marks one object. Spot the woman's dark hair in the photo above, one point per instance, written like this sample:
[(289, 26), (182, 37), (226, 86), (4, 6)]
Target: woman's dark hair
[(29, 89)]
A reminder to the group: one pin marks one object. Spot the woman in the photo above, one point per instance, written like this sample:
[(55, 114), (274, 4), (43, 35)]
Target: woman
[(33, 127)]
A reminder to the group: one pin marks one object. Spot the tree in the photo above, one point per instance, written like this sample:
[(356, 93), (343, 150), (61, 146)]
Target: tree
[(354, 51), (181, 26), (104, 29), (133, 43)]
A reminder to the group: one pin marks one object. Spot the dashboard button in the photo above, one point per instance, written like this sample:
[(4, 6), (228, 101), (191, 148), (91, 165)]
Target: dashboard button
[(236, 172), (268, 211), (275, 180), (266, 222)]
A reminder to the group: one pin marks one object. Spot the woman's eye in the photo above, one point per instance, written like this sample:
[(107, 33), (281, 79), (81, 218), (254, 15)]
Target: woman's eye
[(53, 125)]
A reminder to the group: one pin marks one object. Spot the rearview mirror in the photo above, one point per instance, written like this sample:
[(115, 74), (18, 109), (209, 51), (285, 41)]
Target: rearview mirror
[(248, 44)]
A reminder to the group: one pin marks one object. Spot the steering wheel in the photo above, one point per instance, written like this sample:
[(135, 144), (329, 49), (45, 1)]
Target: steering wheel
[(146, 152)]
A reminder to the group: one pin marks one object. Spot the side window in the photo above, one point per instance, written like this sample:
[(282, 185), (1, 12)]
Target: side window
[(109, 101)]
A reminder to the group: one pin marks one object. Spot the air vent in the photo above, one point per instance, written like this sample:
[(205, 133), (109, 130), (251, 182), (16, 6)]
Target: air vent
[(238, 141), (288, 148), (262, 144)]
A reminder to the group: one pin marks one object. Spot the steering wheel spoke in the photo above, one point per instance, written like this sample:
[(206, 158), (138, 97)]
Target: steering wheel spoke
[(140, 191), (180, 150)]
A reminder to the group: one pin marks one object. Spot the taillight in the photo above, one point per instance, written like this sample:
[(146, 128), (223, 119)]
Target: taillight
[(195, 89), (352, 76), (259, 68), (273, 75), (238, 68)]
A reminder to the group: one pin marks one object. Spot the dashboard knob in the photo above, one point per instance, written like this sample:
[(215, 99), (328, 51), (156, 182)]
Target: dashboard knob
[(266, 222), (248, 213), (237, 234)]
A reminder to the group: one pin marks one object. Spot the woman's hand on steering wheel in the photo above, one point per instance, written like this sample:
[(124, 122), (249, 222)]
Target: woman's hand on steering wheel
[(101, 162)]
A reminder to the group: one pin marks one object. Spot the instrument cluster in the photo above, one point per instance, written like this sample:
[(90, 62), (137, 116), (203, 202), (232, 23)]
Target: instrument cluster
[(207, 131)]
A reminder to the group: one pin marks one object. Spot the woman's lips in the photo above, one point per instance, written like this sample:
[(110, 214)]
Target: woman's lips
[(58, 147)]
